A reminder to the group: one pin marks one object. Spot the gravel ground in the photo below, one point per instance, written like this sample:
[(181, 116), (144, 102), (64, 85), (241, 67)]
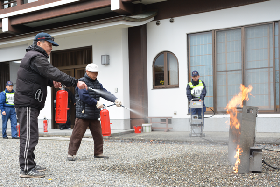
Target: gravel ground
[(135, 164)]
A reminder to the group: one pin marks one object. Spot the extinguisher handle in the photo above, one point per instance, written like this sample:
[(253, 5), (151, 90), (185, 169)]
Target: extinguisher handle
[(67, 108), (62, 86)]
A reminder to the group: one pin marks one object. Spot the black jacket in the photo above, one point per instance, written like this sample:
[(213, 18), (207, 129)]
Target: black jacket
[(86, 99), (33, 77)]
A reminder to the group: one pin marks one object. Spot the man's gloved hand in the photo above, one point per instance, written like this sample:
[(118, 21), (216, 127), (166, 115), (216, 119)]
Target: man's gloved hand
[(99, 104), (118, 103)]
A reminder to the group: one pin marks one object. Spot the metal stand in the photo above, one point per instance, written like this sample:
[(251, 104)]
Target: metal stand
[(196, 121)]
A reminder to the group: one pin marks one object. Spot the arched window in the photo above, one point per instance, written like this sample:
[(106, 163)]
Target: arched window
[(166, 70)]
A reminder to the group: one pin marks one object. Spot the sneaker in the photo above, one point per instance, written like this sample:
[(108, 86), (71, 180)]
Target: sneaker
[(40, 168), (101, 156), (5, 137), (16, 137), (32, 174), (71, 157)]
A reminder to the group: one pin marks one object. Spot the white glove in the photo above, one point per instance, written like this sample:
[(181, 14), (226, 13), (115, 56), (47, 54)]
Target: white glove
[(118, 103), (99, 104)]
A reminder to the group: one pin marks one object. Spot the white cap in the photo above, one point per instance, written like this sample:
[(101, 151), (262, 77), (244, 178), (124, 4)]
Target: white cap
[(92, 67)]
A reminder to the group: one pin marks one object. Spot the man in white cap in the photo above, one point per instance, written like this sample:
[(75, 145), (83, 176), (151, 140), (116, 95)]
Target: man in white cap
[(88, 111)]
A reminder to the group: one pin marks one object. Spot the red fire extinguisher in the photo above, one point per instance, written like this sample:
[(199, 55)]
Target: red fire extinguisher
[(61, 106), (45, 124), (105, 122), (18, 129)]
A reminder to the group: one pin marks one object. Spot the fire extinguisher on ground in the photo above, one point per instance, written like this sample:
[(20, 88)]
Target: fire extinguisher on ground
[(45, 124), (18, 129), (105, 122), (61, 106)]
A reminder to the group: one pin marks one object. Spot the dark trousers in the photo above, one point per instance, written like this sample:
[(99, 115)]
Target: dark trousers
[(28, 120), (66, 125), (79, 131)]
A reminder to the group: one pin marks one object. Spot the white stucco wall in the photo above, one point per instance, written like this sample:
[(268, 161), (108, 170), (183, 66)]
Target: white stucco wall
[(12, 53), (13, 72), (173, 37)]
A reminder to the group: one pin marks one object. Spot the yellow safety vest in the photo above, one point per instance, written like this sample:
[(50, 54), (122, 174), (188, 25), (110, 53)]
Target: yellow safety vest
[(9, 98), (196, 90)]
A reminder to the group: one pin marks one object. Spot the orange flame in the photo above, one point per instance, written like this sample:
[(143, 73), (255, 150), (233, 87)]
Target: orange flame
[(237, 101), (237, 154)]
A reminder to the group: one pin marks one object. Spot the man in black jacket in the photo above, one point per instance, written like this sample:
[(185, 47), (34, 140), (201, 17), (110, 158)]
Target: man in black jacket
[(88, 111), (33, 77)]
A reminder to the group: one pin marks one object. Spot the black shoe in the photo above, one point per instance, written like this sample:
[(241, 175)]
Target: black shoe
[(15, 137), (32, 174), (5, 137), (40, 168), (61, 128), (101, 156)]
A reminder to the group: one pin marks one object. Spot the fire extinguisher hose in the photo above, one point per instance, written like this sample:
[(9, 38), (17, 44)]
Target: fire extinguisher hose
[(115, 104), (109, 105)]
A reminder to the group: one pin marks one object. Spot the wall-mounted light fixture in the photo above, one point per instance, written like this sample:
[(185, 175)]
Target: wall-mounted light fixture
[(105, 60)]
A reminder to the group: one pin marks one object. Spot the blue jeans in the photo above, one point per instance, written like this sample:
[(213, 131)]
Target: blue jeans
[(10, 113)]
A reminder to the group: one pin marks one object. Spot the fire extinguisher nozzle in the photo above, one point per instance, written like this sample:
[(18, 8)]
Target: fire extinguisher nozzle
[(125, 107)]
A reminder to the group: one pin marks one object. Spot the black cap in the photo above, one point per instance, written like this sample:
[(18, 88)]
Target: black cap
[(9, 83), (195, 73), (46, 37)]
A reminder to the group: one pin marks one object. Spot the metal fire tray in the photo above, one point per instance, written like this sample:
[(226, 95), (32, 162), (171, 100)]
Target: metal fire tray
[(196, 121)]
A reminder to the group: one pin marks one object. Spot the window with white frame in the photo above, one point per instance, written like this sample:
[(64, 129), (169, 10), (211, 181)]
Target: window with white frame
[(246, 55)]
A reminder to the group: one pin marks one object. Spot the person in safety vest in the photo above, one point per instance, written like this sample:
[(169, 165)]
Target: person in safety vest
[(88, 111), (34, 75), (196, 89), (8, 110)]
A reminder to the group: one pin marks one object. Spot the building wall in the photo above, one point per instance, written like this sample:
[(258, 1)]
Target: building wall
[(173, 37), (12, 53), (13, 72)]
